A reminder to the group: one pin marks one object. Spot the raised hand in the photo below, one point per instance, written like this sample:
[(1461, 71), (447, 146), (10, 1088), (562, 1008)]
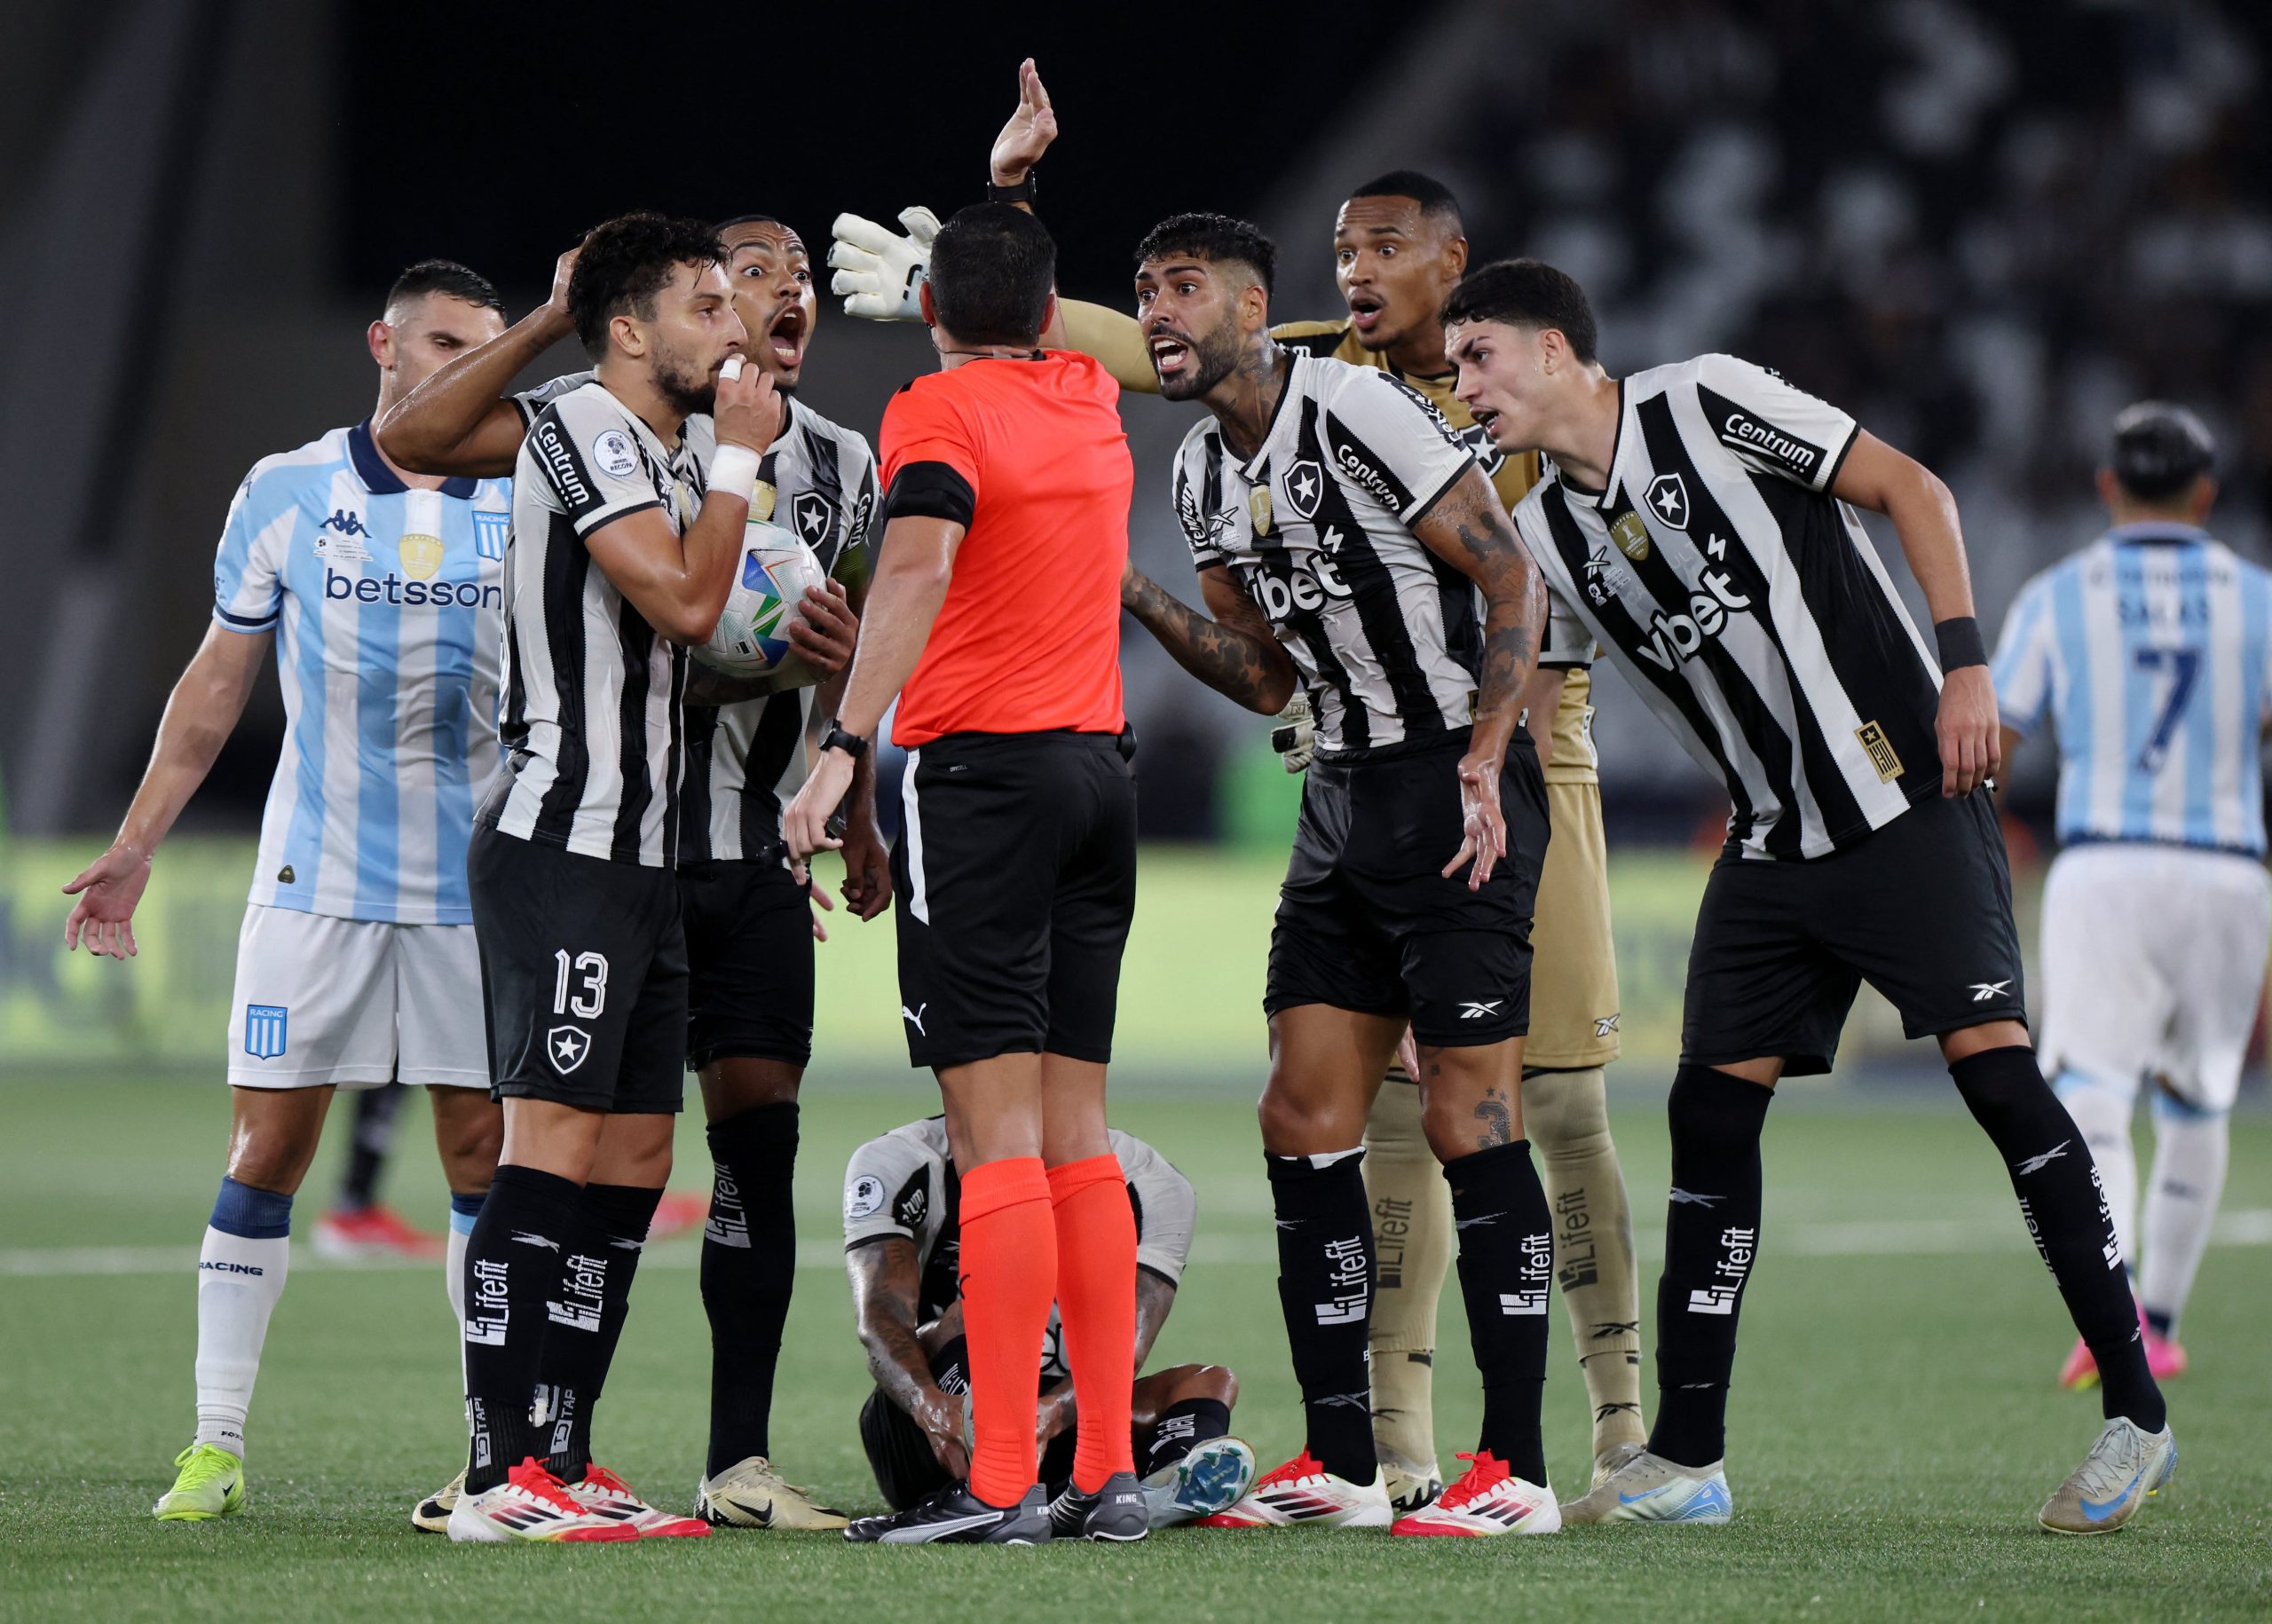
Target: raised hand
[(880, 275), (1028, 134)]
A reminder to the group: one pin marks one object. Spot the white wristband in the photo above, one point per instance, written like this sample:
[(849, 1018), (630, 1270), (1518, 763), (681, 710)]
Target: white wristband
[(733, 472)]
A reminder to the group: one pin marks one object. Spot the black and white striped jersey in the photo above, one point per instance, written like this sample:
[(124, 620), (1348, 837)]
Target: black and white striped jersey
[(744, 762), (1747, 605), (593, 710), (1316, 527)]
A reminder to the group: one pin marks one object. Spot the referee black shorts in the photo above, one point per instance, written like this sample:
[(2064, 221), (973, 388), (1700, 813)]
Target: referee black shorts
[(1016, 875), (583, 975), (749, 942), (1922, 909), (1367, 921)]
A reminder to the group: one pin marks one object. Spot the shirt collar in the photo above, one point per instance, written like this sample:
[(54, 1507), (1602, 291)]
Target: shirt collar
[(379, 480), (2157, 529)]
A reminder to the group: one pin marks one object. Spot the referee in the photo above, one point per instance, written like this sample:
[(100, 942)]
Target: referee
[(1701, 520), (1016, 861)]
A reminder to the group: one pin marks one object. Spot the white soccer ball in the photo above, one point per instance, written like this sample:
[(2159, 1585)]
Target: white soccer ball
[(752, 637)]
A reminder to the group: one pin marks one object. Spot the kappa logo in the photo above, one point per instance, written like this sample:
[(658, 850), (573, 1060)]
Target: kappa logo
[(914, 1017), (1982, 991), (345, 523), (2036, 1164), (567, 1047), (1471, 1009), (1669, 500), (1305, 486), (814, 515)]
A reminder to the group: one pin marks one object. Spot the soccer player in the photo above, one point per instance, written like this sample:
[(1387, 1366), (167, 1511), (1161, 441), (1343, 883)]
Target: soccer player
[(1398, 247), (627, 530), (748, 930), (1346, 539), (995, 619), (2151, 653), (356, 967), (901, 1228), (1699, 521)]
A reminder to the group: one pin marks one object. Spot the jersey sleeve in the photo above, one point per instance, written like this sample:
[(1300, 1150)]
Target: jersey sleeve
[(1771, 426), (1113, 338), (1167, 1208), (889, 1185), (856, 470), (530, 402), (1567, 641), (586, 453), (1198, 490), (1387, 439), (248, 567), (2022, 668), (931, 456)]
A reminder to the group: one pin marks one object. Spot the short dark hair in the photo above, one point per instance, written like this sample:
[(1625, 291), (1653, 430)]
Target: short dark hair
[(1526, 293), (1432, 194), (993, 268), (1213, 238), (724, 226), (625, 264), (2159, 450), (442, 276)]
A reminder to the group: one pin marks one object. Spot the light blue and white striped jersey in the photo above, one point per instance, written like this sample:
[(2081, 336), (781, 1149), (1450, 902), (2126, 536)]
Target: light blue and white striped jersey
[(388, 604), (2151, 652)]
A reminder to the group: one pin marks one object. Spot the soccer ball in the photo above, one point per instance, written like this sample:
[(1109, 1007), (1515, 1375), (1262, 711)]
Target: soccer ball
[(752, 636)]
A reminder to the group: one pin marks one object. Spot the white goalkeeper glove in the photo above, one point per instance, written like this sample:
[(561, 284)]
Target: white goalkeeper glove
[(881, 275), (1295, 738)]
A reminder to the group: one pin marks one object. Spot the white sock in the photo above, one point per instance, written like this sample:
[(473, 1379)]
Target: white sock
[(239, 1282), (453, 1277), (2189, 1153), (2104, 1114)]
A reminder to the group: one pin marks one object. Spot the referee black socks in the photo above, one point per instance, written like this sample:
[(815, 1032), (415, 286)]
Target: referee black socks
[(1506, 1267), (749, 1267), (585, 1315), (512, 1265), (2065, 1209), (1325, 1286), (1711, 1236)]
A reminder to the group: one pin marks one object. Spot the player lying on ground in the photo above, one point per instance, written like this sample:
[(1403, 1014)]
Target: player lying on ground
[(901, 1235), (1700, 520), (356, 966), (1346, 540), (1016, 860), (628, 523), (749, 933), (2157, 912), (1399, 248)]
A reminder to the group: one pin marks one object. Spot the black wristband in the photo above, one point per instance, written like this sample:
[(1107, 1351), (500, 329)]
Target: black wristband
[(839, 737), (1023, 192), (1959, 642)]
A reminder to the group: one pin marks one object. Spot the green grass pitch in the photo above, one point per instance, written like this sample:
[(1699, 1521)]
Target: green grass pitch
[(1894, 1421)]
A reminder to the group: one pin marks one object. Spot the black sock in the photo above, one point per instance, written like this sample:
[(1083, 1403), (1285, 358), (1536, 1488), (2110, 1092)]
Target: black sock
[(2065, 1209), (591, 1298), (367, 1151), (1506, 1265), (749, 1265), (512, 1266), (1181, 1428), (1325, 1287), (1711, 1236)]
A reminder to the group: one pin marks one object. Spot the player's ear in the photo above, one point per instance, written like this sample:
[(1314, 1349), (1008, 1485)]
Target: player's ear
[(930, 309), (1455, 257), (380, 337), (1254, 308), (2202, 498), (2109, 488), (624, 332), (1048, 317)]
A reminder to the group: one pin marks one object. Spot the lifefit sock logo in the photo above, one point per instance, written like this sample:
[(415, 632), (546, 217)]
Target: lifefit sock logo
[(1737, 1247), (582, 1288), (1392, 1230), (1174, 1430), (728, 1223), (2110, 1247), (2035, 1234), (1349, 1277), (1690, 1198), (2036, 1164), (485, 1314), (1538, 1268), (1577, 1255)]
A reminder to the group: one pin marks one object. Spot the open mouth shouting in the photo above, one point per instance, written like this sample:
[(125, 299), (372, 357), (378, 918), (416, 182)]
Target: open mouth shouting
[(786, 335), (1366, 310), (1171, 354)]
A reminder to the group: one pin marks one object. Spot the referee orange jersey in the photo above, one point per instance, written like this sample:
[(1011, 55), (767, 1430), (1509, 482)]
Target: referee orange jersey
[(1029, 457)]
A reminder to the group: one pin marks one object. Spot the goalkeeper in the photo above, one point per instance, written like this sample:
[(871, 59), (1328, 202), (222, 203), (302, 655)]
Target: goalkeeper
[(1398, 247)]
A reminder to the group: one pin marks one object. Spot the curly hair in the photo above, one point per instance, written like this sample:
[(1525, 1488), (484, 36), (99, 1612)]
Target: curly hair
[(1213, 238), (625, 264)]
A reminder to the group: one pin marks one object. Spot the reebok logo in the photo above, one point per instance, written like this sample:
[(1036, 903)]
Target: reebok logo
[(524, 1238), (1471, 1009), (1982, 991), (2036, 1164), (1690, 1198)]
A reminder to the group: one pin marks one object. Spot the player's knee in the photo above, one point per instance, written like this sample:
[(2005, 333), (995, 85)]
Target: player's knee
[(272, 1158), (1566, 1114), (1295, 1126), (743, 1083), (1708, 1107), (469, 1139), (1219, 1383)]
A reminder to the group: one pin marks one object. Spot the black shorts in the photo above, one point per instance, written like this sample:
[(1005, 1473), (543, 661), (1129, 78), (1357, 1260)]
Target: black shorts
[(583, 975), (1016, 875), (907, 1472), (1922, 909), (1367, 921), (749, 940)]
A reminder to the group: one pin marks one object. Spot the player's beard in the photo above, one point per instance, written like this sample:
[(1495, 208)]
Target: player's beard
[(1217, 355), (688, 389)]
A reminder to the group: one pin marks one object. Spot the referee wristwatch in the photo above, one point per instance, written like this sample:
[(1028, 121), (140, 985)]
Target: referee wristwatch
[(837, 737), (1022, 193)]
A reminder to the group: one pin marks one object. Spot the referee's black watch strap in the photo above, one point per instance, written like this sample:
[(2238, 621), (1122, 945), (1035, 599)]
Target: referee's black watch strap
[(1023, 192), (1961, 643), (837, 737)]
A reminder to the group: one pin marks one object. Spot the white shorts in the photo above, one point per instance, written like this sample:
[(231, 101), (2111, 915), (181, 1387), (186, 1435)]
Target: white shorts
[(2153, 965), (355, 1003)]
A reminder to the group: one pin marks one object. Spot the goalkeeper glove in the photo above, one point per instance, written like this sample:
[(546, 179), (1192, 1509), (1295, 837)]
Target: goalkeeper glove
[(880, 275), (1295, 738)]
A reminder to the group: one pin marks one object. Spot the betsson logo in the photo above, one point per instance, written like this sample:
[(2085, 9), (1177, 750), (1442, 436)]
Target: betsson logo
[(397, 592)]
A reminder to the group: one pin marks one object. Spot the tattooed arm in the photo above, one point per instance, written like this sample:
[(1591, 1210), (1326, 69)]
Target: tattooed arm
[(1235, 653), (1469, 530), (885, 1281)]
